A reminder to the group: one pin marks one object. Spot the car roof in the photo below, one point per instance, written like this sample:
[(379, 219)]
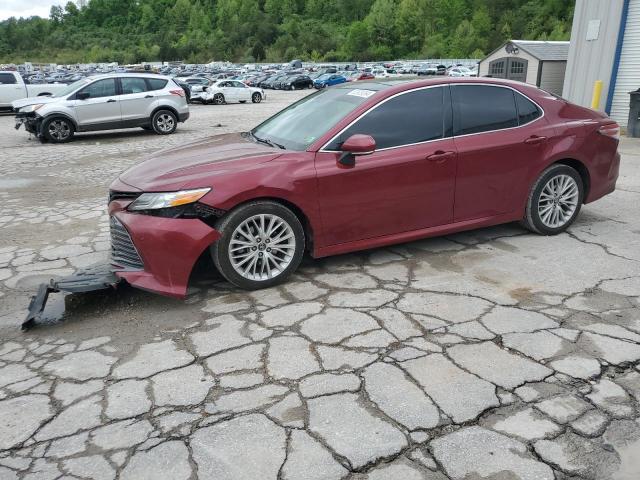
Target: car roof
[(401, 85), (119, 75)]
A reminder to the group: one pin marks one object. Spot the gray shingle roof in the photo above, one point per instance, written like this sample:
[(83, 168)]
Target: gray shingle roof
[(544, 50)]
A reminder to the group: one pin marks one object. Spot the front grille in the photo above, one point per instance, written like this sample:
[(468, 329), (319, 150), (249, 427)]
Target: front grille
[(123, 251), (113, 195)]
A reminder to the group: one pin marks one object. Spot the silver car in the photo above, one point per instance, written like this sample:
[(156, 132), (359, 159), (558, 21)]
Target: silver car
[(105, 102)]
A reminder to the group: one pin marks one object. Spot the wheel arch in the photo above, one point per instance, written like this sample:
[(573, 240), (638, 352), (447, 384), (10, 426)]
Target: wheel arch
[(300, 214), (60, 114), (582, 169), (165, 107)]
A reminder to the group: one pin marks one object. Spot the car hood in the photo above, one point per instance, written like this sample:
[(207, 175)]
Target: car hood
[(23, 102), (189, 165)]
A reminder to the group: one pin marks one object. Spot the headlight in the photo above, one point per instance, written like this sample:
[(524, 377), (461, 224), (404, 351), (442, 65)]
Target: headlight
[(153, 201), (31, 108)]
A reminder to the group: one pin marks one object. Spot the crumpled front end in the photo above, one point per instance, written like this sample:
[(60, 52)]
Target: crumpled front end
[(157, 252), (30, 120)]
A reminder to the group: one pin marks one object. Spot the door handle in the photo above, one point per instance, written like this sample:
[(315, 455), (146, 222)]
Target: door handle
[(111, 100), (535, 140), (148, 96), (440, 156)]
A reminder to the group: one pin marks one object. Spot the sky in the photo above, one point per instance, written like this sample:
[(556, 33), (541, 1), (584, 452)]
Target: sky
[(27, 8)]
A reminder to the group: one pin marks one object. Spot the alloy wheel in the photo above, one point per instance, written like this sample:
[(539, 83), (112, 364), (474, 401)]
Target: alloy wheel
[(165, 122), (218, 99), (262, 247), (558, 201), (59, 130)]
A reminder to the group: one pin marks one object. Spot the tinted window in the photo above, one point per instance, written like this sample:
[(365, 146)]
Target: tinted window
[(408, 118), (481, 108), (7, 79), (133, 85), (527, 110), (156, 83), (239, 85), (101, 88)]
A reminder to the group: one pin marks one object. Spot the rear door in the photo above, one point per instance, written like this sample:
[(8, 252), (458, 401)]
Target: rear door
[(500, 136), (136, 101), (101, 108), (10, 88), (406, 184)]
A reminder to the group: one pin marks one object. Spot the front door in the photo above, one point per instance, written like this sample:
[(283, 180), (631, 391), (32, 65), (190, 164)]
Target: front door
[(229, 92), (101, 108), (406, 184), (242, 92)]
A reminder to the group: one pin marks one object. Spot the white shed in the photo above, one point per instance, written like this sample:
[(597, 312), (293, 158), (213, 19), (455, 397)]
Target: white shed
[(539, 63)]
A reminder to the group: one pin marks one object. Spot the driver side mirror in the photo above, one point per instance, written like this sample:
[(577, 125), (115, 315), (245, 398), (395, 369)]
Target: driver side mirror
[(356, 145), (82, 95)]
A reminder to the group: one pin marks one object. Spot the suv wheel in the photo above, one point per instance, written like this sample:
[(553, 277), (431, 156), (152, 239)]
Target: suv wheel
[(262, 244), (256, 98), (218, 99), (554, 201), (57, 129), (164, 122)]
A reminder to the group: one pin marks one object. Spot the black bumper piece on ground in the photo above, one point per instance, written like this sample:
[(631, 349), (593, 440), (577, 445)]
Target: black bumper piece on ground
[(98, 277)]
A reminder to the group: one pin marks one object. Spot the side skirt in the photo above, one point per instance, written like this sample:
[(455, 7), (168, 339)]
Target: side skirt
[(415, 235)]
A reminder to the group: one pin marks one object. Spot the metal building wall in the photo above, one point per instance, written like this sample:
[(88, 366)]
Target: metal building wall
[(628, 76), (591, 60)]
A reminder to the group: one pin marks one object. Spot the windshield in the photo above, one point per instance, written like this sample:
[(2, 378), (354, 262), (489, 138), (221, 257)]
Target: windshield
[(71, 88), (299, 125), (324, 76)]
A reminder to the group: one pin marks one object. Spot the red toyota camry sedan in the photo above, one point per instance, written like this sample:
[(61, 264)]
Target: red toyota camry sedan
[(359, 166)]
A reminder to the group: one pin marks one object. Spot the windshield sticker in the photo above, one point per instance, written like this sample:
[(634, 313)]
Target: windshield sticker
[(361, 93)]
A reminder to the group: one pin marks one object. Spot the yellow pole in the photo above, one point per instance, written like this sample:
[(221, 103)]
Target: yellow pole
[(597, 92)]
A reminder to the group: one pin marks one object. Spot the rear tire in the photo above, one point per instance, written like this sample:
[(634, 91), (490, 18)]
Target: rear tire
[(164, 122), (264, 238), (554, 201), (218, 99), (57, 129)]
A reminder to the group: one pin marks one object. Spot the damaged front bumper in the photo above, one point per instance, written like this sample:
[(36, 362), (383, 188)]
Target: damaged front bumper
[(30, 120), (157, 253)]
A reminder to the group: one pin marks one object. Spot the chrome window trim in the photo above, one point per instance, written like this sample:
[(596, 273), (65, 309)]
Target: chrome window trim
[(440, 85)]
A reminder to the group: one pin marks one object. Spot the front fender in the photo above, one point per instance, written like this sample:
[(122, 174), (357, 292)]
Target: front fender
[(57, 113)]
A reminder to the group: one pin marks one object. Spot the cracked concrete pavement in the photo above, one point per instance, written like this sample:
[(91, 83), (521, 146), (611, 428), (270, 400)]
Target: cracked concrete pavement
[(493, 354)]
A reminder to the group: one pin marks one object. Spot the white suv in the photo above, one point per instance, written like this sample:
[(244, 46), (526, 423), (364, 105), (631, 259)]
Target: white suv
[(105, 102)]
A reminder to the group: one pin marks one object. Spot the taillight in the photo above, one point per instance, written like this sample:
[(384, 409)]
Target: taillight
[(611, 130), (179, 92)]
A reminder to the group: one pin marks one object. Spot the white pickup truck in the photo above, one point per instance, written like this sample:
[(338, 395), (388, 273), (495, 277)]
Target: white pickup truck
[(12, 87)]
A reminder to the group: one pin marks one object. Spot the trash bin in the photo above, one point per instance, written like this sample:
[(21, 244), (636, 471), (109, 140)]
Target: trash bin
[(633, 126)]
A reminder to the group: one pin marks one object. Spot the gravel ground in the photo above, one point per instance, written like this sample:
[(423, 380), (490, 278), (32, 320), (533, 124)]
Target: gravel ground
[(493, 354)]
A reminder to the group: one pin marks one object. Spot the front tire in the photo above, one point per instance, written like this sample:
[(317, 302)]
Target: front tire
[(57, 130), (218, 99), (554, 201), (256, 98), (164, 122), (261, 245)]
